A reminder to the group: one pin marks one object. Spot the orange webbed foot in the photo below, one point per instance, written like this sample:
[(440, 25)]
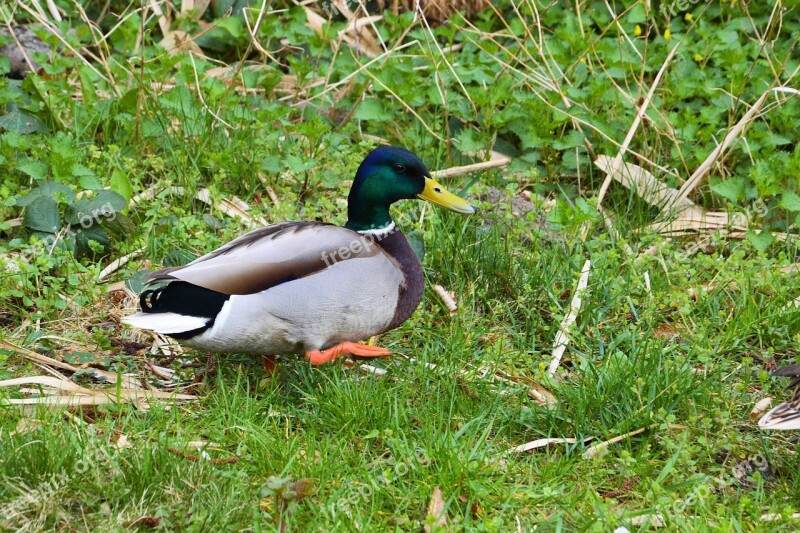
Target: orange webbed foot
[(345, 348), (269, 363)]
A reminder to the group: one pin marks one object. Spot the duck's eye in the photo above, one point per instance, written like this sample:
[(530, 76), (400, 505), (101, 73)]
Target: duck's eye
[(399, 167)]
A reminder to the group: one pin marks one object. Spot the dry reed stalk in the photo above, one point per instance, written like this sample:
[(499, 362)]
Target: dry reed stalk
[(562, 338), (697, 178)]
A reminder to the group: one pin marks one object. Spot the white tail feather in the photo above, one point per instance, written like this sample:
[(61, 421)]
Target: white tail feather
[(165, 323)]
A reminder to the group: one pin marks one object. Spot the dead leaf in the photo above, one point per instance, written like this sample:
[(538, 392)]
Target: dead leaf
[(540, 395), (177, 41), (436, 515), (447, 299), (562, 337), (760, 408)]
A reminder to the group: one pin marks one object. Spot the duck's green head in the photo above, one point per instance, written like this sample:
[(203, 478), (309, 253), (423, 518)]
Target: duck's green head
[(389, 174)]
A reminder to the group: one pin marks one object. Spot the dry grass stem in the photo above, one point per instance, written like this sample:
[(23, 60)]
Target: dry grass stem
[(753, 113), (562, 337), (119, 263), (539, 444)]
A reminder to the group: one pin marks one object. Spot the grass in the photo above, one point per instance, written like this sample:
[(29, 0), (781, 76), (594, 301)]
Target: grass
[(670, 350)]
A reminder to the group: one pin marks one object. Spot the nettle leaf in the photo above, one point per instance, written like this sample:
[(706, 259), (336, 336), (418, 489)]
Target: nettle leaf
[(48, 189), (732, 189), (573, 139), (636, 14), (102, 205), (138, 281), (470, 141), (86, 239), (372, 109), (33, 168), (760, 241), (299, 165), (790, 201), (86, 178), (21, 122), (42, 215), (272, 164)]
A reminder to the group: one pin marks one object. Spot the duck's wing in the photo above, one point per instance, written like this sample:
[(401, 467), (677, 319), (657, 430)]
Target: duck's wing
[(272, 255), (784, 416), (791, 371)]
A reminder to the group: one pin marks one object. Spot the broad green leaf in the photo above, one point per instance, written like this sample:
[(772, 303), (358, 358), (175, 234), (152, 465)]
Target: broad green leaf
[(573, 139), (86, 178), (790, 201), (372, 109), (637, 14), (731, 189), (21, 122), (272, 164), (42, 215), (101, 206), (121, 185), (105, 197), (78, 358), (49, 189), (85, 236), (760, 241), (470, 141), (33, 168)]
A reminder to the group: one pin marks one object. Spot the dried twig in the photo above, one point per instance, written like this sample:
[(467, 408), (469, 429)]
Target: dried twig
[(498, 160), (601, 447), (615, 164), (119, 263)]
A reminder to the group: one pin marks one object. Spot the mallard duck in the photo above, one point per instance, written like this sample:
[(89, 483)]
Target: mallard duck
[(304, 287), (787, 414)]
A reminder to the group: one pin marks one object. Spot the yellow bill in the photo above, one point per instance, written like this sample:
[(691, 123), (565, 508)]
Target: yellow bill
[(438, 195)]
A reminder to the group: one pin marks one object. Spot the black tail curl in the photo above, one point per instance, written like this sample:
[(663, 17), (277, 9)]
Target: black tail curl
[(148, 300), (183, 298)]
